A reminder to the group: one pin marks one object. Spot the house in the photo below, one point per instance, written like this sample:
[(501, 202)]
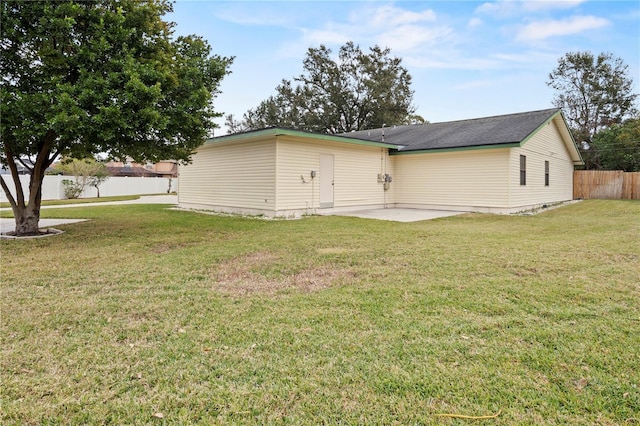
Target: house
[(500, 164), (128, 168)]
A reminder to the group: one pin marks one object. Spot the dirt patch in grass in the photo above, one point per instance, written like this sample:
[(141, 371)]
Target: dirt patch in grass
[(267, 273)]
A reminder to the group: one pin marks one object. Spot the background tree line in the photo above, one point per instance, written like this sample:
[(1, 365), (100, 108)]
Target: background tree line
[(596, 95), (358, 91)]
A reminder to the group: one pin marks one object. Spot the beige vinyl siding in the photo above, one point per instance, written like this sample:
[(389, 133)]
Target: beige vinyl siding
[(461, 179), (356, 169), (545, 145), (235, 175)]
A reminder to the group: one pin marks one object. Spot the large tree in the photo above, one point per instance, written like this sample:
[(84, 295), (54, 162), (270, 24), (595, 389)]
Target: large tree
[(618, 147), (353, 92), (593, 92), (107, 76)]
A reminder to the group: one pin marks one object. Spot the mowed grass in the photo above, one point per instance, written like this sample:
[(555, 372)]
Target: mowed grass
[(146, 315)]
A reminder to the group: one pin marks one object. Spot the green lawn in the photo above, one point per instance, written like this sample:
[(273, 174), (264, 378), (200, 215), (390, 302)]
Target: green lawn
[(146, 315)]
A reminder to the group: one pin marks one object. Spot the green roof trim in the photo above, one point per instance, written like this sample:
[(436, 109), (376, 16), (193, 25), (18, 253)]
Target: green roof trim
[(549, 120), (463, 148), (580, 160), (278, 131)]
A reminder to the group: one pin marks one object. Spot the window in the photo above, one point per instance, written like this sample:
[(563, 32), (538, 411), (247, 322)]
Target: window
[(523, 170), (546, 173)]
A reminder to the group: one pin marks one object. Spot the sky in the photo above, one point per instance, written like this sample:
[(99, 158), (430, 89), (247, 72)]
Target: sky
[(467, 59)]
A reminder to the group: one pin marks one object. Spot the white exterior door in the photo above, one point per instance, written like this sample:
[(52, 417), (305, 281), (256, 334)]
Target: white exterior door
[(326, 181)]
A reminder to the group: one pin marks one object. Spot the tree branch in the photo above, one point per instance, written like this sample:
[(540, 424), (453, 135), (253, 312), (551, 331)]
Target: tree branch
[(25, 165), (16, 178), (42, 158), (53, 157), (7, 192)]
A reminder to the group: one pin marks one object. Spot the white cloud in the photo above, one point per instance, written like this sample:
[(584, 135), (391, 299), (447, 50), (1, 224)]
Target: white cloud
[(506, 8), (387, 26), (409, 37), (498, 9), (532, 6), (474, 23), (389, 16), (544, 29)]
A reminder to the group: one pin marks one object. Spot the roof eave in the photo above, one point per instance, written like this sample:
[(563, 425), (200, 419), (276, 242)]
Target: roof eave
[(278, 131), (570, 142), (455, 149), (565, 134)]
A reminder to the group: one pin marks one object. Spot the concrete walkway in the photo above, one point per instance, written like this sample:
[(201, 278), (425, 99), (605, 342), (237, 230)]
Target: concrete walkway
[(9, 224)]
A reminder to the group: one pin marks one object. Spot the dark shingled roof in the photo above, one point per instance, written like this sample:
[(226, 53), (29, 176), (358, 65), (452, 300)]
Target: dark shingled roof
[(498, 130), (131, 171)]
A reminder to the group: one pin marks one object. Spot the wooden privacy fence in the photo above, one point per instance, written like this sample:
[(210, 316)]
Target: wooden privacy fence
[(606, 184)]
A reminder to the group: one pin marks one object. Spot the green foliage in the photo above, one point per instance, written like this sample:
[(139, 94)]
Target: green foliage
[(106, 76), (617, 147), (593, 92), (72, 189), (355, 92), (86, 172), (99, 177)]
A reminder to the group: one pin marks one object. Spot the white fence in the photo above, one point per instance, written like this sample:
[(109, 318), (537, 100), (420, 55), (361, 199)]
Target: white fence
[(53, 189)]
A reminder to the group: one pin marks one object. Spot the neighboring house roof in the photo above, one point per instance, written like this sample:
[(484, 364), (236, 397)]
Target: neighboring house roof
[(165, 168), (131, 171)]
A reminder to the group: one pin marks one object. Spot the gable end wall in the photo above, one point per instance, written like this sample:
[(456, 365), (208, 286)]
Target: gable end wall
[(231, 177), (545, 145)]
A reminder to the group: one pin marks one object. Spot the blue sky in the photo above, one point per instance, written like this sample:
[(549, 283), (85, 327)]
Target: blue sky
[(467, 58)]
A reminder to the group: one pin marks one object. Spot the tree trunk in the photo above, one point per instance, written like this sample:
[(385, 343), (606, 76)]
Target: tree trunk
[(27, 220), (27, 214)]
